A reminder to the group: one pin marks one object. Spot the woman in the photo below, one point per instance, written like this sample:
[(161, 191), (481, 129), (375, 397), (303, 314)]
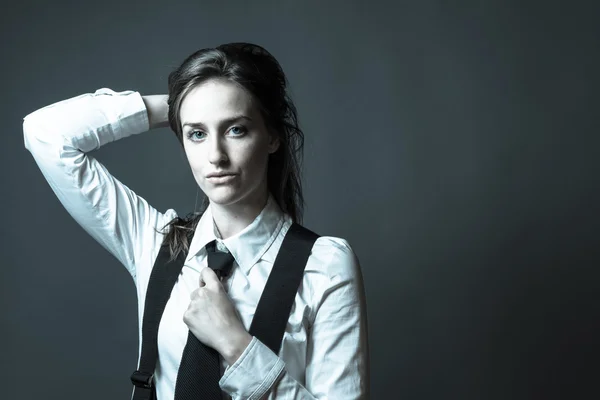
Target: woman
[(229, 109)]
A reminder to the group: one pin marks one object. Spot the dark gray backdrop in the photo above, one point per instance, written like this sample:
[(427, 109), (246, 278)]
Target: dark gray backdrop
[(454, 146)]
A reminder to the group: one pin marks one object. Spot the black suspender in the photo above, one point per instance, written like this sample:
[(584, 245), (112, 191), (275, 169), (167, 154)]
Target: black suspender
[(270, 318), (273, 309), (162, 279)]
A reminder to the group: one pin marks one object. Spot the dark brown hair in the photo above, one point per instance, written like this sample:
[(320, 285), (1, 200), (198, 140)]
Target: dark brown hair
[(257, 71)]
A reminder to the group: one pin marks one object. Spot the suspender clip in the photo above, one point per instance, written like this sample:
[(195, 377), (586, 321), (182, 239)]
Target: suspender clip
[(142, 380)]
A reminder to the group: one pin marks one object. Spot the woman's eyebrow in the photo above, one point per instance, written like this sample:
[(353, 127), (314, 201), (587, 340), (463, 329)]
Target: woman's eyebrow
[(222, 123)]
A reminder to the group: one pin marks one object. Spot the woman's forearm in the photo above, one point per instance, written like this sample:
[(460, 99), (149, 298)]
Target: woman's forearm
[(157, 108), (61, 137)]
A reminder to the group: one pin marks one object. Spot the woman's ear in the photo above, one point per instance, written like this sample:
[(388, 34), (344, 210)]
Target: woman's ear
[(273, 143)]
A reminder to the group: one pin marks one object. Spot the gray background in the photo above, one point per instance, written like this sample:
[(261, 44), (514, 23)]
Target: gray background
[(454, 146)]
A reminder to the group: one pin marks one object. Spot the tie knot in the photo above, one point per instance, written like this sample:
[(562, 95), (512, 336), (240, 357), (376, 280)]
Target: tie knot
[(219, 261)]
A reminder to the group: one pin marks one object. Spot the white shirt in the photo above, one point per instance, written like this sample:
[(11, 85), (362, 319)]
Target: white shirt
[(324, 353)]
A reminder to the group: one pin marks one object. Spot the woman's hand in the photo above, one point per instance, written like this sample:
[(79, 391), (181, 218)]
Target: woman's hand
[(212, 318)]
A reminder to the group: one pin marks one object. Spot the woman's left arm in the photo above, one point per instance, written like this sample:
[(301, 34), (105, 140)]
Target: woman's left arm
[(338, 349), (337, 360)]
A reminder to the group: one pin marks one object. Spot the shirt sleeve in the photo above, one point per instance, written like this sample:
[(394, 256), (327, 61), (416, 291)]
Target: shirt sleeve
[(60, 137), (337, 364)]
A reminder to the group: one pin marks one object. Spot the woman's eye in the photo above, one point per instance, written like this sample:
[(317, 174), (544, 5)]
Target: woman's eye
[(237, 130), (195, 135)]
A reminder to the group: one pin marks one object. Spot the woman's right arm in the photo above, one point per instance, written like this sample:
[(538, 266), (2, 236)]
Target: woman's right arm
[(60, 138)]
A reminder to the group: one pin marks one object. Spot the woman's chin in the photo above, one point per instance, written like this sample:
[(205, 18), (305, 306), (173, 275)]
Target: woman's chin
[(223, 196), (229, 196)]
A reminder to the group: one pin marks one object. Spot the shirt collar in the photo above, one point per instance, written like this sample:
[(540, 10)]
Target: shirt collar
[(248, 246)]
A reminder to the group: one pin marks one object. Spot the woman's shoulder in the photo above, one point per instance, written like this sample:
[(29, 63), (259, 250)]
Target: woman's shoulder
[(333, 257), (332, 244)]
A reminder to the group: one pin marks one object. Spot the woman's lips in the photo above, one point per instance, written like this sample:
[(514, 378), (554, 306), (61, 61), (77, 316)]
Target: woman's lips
[(220, 179)]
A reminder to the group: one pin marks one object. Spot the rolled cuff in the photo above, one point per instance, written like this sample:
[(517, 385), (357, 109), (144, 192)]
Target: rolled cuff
[(254, 373)]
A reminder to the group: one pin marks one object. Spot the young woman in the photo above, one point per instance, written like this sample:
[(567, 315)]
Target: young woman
[(229, 108)]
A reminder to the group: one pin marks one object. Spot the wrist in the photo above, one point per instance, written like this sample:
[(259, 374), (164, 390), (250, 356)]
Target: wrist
[(157, 109), (235, 347)]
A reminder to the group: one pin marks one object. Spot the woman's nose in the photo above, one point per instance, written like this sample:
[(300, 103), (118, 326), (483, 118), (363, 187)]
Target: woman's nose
[(217, 153)]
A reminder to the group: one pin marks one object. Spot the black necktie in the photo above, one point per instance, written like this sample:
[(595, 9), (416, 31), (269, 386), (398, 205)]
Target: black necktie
[(199, 371)]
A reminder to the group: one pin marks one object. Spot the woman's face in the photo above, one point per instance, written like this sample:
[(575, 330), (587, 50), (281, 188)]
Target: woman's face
[(226, 143)]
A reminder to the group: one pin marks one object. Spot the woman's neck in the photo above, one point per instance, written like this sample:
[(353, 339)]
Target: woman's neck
[(232, 219)]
